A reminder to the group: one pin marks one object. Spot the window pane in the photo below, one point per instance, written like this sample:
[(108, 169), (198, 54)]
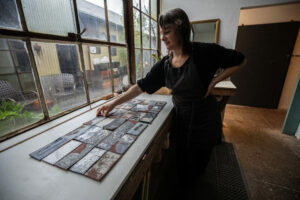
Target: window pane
[(145, 31), (6, 63), (19, 101), (145, 6), (19, 55), (138, 64), (146, 62), (137, 30), (136, 3), (9, 16), (96, 62), (54, 16), (120, 67), (154, 9), (91, 16), (116, 20), (60, 74), (153, 34)]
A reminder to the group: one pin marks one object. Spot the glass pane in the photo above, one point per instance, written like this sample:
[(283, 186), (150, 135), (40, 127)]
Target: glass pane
[(137, 30), (19, 55), (116, 20), (60, 74), (19, 101), (120, 67), (153, 34), (145, 6), (146, 62), (6, 63), (145, 31), (154, 57), (138, 64), (54, 16), (91, 14), (96, 62), (3, 44), (9, 16), (136, 3), (154, 9)]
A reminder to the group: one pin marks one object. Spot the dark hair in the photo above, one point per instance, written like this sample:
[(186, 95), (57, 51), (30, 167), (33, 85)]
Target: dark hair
[(179, 19)]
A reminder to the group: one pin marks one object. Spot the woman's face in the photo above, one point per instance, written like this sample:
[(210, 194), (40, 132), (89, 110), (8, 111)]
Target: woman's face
[(169, 37)]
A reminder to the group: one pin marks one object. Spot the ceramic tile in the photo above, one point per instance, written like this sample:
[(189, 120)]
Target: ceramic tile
[(148, 118), (95, 120), (87, 161), (125, 127), (114, 124), (123, 144), (61, 152), (108, 142), (75, 133), (48, 149), (137, 129), (100, 169), (137, 116), (104, 122), (74, 156), (89, 133)]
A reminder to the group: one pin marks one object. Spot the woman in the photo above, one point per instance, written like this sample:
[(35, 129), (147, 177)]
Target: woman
[(188, 71)]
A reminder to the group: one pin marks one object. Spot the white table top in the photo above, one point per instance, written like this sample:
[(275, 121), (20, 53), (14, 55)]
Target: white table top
[(25, 178), (225, 85)]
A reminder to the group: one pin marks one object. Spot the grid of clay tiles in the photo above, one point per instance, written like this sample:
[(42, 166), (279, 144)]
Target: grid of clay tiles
[(96, 146)]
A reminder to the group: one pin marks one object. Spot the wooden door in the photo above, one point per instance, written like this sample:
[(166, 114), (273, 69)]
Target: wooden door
[(268, 49)]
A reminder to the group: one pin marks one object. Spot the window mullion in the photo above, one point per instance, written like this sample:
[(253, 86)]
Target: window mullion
[(37, 79), (86, 86), (22, 16)]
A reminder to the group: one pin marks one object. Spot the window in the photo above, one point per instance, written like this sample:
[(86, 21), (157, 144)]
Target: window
[(9, 16), (145, 35)]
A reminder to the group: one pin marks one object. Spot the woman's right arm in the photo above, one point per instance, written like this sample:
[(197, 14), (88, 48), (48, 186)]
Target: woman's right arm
[(129, 94)]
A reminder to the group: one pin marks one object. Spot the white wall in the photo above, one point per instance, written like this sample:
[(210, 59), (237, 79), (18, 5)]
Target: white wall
[(227, 11)]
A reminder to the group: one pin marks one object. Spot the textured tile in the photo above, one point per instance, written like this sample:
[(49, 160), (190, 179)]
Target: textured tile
[(126, 127), (95, 120), (127, 115), (89, 133), (74, 156), (100, 169), (137, 129), (104, 122), (114, 124), (160, 103), (87, 161), (137, 116), (118, 113), (156, 109), (75, 133), (141, 108), (49, 148), (94, 135), (61, 152), (108, 142), (123, 144), (148, 118)]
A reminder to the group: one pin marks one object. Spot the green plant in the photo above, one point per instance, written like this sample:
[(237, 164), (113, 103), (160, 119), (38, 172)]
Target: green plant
[(155, 56)]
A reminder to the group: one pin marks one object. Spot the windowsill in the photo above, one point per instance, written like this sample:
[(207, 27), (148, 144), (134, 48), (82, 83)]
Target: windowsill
[(61, 121)]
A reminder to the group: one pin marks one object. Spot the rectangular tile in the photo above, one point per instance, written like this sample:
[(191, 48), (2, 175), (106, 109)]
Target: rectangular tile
[(141, 108), (49, 148), (114, 124), (109, 141), (155, 109), (75, 133), (148, 118), (126, 126), (160, 103), (70, 159), (118, 113), (89, 133), (104, 122), (98, 137), (127, 115), (61, 152), (137, 116), (137, 129), (123, 144), (87, 161), (95, 120), (102, 167)]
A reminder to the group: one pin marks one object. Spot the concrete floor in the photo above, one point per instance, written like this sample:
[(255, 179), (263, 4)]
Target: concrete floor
[(270, 159)]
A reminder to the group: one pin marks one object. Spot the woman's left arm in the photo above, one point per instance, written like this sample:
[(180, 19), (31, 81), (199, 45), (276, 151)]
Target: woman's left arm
[(226, 73)]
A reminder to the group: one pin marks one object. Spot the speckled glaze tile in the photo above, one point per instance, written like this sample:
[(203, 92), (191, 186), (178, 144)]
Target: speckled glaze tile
[(118, 113), (123, 144), (155, 109), (137, 116), (102, 167), (94, 130), (114, 124), (126, 126), (141, 108), (87, 161), (127, 115), (148, 118), (95, 120), (160, 103), (70, 159), (49, 148), (137, 129), (77, 132), (61, 152), (109, 141), (104, 122)]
